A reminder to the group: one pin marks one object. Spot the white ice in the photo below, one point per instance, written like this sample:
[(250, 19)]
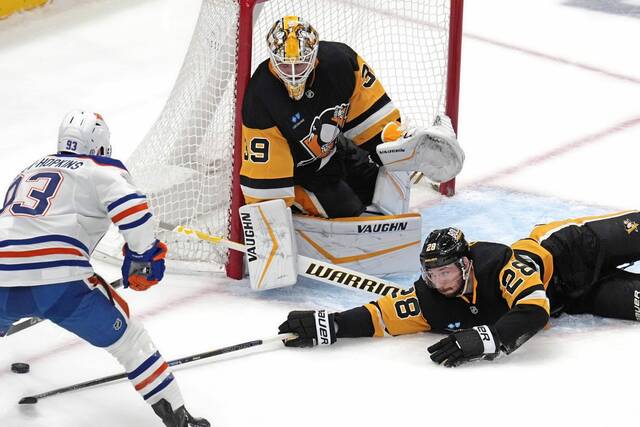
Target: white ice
[(550, 121)]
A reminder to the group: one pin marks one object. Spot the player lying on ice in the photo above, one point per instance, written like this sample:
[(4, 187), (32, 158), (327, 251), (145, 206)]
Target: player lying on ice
[(54, 214), (490, 297), (320, 132)]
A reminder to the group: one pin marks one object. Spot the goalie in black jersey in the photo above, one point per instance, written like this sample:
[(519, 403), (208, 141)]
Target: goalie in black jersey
[(492, 298), (318, 127)]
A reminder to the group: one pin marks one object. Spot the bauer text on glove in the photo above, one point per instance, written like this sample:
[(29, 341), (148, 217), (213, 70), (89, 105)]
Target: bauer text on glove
[(312, 327), (462, 346)]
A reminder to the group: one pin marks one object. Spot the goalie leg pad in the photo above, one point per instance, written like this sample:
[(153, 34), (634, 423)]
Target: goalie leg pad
[(375, 245), (392, 192), (271, 249), (433, 151)]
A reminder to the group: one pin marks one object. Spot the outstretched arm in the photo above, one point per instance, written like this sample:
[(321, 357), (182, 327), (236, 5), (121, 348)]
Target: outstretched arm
[(390, 315)]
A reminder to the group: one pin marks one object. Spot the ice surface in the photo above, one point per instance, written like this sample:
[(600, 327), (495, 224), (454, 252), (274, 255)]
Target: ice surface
[(550, 121)]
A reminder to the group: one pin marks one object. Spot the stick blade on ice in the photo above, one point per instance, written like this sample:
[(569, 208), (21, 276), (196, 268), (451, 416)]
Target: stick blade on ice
[(29, 400)]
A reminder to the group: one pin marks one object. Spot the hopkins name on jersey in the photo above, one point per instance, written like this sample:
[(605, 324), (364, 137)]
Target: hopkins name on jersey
[(56, 211)]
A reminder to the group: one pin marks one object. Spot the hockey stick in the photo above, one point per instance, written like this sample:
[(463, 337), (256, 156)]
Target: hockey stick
[(27, 323), (307, 267), (30, 400)]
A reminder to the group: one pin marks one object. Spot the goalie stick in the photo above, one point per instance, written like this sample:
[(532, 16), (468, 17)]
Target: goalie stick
[(307, 267), (30, 400), (27, 323)]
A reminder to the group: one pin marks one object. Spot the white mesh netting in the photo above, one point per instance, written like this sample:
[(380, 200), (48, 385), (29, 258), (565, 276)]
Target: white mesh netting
[(184, 164)]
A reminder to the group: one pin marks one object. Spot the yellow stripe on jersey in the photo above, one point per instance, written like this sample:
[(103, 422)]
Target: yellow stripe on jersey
[(376, 127), (367, 91), (265, 154), (376, 319), (397, 315), (533, 249), (538, 298), (541, 232), (515, 278), (267, 166), (250, 200), (365, 105)]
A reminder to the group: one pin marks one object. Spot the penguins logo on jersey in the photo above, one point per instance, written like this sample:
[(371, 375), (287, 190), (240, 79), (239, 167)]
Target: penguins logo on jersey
[(323, 133), (630, 226)]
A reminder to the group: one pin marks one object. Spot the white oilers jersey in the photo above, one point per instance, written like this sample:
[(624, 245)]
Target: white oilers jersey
[(56, 211)]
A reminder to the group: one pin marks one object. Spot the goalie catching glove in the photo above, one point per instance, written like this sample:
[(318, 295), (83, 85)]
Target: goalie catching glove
[(312, 327), (434, 151), (141, 271), (478, 342)]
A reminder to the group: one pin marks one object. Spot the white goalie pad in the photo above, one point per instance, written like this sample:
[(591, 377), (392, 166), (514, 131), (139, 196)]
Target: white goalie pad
[(392, 193), (433, 151), (375, 245), (270, 245)]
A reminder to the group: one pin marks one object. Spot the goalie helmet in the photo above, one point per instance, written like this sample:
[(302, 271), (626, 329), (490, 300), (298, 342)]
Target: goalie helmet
[(293, 48), (83, 132), (443, 247)]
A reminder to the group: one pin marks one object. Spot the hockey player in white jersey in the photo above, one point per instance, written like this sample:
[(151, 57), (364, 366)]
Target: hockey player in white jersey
[(54, 214)]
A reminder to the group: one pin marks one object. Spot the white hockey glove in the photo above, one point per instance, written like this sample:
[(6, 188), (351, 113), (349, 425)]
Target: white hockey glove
[(433, 151)]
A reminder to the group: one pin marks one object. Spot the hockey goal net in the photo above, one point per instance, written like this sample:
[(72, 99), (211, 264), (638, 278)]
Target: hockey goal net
[(188, 162)]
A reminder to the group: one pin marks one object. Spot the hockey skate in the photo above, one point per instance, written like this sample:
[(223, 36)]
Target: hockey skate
[(178, 418)]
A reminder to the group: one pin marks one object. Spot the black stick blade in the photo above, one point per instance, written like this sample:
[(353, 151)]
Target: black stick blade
[(29, 400)]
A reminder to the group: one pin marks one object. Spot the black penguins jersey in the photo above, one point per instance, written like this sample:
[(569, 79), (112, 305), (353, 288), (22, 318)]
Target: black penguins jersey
[(574, 251), (287, 142), (505, 292)]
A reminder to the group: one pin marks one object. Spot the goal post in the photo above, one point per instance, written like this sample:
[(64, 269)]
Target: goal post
[(453, 76), (188, 163)]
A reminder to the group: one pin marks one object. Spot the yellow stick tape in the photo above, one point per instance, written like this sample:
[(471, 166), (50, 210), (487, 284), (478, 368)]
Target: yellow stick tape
[(9, 7)]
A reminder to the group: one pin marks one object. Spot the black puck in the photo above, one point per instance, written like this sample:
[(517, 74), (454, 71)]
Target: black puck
[(20, 368)]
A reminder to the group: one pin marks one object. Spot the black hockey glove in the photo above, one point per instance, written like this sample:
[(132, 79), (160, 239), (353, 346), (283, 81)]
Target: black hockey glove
[(478, 342), (309, 325)]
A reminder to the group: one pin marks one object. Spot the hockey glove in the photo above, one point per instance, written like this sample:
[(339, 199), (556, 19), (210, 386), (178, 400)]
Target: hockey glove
[(478, 342), (309, 325), (141, 271)]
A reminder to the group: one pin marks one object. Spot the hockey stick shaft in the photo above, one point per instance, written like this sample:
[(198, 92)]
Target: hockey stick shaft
[(308, 267), (27, 323), (187, 359)]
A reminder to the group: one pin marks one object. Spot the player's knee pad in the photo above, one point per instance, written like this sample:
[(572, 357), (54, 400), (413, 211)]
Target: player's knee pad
[(134, 345), (147, 370), (392, 192)]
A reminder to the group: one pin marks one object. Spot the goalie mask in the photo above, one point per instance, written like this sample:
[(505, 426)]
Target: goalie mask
[(83, 132), (293, 48), (444, 262)]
